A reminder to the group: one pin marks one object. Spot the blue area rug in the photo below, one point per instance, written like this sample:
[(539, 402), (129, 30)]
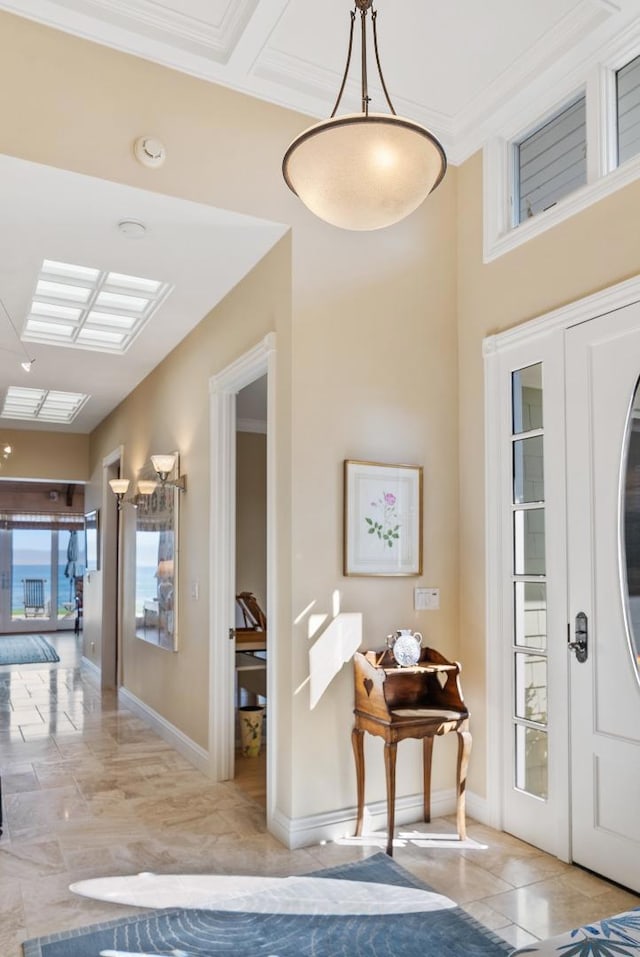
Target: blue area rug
[(26, 650), (203, 933)]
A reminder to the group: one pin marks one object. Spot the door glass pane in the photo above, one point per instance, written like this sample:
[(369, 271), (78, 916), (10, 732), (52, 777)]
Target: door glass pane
[(528, 474), (530, 617), (531, 687), (70, 569), (528, 541), (30, 573), (527, 398), (631, 532), (531, 761)]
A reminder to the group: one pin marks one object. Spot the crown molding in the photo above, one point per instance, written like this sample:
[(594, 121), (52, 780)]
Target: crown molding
[(148, 20), (528, 80), (239, 52)]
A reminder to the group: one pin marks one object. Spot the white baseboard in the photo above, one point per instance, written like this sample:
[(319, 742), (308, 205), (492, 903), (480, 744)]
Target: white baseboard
[(91, 669), (197, 755), (335, 825), (478, 808)]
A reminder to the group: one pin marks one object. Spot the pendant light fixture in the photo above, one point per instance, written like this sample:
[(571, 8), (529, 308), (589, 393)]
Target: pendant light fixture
[(365, 170)]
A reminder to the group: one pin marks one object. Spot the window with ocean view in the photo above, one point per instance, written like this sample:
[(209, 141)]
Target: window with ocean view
[(52, 558)]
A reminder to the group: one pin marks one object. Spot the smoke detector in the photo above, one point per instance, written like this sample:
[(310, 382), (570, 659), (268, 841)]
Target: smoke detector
[(149, 151), (132, 228)]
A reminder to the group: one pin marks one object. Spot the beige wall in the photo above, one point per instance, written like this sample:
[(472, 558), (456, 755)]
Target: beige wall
[(50, 456), (367, 368), (170, 410), (251, 515), (589, 252)]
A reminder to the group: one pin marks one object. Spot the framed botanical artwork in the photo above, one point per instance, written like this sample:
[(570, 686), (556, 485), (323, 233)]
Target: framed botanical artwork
[(382, 519)]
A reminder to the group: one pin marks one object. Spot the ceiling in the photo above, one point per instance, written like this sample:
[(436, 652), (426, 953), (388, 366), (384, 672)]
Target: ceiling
[(460, 68), (74, 219), (452, 66)]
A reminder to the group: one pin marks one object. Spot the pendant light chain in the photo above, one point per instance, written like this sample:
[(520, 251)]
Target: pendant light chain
[(365, 90), (365, 98), (346, 69), (364, 170), (374, 17)]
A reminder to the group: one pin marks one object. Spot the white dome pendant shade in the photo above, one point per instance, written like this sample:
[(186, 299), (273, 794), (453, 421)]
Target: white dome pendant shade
[(364, 171)]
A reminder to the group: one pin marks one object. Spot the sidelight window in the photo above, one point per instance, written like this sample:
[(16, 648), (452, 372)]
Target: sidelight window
[(529, 583)]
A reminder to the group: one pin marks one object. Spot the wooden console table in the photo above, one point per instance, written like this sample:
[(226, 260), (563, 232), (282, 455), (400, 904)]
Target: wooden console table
[(419, 702)]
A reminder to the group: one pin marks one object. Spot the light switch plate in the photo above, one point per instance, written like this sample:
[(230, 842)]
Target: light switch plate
[(426, 599)]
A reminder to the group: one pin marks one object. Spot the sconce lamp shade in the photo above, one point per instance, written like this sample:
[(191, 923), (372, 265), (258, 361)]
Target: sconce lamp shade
[(119, 487), (164, 465), (146, 486), (364, 171)]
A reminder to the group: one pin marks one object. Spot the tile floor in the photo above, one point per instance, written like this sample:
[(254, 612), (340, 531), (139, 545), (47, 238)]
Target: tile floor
[(89, 790)]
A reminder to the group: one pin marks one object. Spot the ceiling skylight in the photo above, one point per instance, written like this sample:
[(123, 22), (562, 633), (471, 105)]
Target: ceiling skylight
[(88, 308), (42, 405)]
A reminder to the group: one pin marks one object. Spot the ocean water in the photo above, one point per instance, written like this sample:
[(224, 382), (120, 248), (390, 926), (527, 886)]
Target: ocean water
[(65, 586), (146, 585)]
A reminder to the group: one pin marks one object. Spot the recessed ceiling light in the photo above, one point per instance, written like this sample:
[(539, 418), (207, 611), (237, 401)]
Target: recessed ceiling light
[(89, 308), (132, 229), (42, 405)]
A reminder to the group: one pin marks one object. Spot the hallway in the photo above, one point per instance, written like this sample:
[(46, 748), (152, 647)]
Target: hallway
[(89, 790)]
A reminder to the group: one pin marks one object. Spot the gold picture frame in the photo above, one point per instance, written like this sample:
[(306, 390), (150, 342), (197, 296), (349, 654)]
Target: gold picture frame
[(382, 519)]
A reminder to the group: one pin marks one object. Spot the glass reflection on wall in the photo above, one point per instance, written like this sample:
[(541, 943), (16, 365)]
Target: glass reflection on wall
[(631, 521), (156, 568)]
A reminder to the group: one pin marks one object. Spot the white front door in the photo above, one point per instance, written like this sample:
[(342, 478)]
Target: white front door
[(602, 370), (563, 524)]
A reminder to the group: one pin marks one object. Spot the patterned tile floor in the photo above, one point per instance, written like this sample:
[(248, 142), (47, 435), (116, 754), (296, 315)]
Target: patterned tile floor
[(89, 790)]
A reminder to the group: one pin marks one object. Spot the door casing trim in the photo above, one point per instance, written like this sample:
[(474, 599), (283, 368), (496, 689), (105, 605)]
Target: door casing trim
[(223, 388)]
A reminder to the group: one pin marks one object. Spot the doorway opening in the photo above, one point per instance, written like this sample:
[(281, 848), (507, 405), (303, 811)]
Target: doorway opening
[(251, 630), (243, 395)]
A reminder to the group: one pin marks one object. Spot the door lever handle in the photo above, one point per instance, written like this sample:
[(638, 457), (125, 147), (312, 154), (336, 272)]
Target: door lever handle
[(580, 644)]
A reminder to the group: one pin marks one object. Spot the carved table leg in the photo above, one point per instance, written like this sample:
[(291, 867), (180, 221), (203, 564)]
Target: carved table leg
[(464, 750), (390, 749), (427, 754), (357, 742)]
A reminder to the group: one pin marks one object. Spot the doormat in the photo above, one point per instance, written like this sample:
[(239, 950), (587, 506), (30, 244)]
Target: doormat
[(252, 933), (26, 650)]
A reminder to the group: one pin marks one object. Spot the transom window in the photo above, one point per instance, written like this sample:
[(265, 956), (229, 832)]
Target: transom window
[(552, 161), (581, 151), (628, 110)]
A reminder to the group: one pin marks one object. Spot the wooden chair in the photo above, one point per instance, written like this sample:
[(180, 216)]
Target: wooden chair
[(33, 597), (395, 703), (252, 614)]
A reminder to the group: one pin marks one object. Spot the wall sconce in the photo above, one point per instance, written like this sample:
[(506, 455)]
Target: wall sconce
[(120, 487), (164, 466)]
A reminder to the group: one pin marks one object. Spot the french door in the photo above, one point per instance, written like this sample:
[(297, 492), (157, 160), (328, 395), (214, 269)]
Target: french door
[(563, 428), (35, 592)]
